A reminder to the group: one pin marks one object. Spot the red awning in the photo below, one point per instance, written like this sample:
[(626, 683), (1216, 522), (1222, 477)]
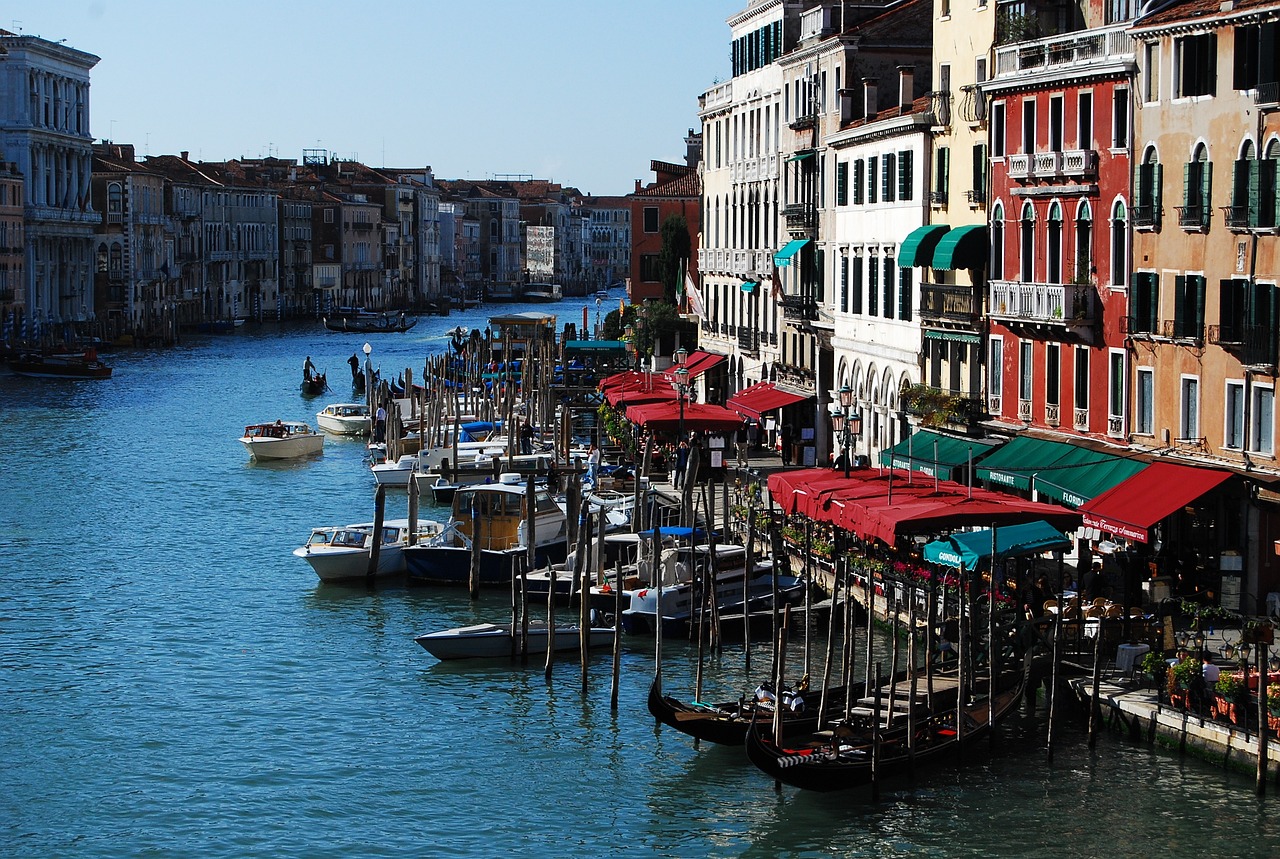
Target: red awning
[(763, 397), (1129, 509), (628, 378), (698, 362), (625, 397), (698, 417)]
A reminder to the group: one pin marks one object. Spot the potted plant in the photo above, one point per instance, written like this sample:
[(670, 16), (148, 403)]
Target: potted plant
[(1154, 667), (1273, 707), (1232, 693), (1181, 676)]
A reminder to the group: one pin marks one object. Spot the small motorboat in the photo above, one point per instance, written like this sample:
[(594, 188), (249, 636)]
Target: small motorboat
[(494, 640), (344, 418), (341, 553), (61, 365), (397, 473), (282, 440)]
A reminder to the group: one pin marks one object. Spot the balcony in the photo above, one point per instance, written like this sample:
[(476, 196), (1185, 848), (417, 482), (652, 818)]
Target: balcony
[(940, 104), (938, 198), (799, 307), (949, 303), (1253, 345), (994, 405), (1024, 410), (1236, 217), (748, 341), (938, 407), (1080, 49), (1067, 305), (976, 197), (1267, 94), (1181, 329), (1115, 426), (1047, 164), (1081, 422), (1020, 167), (1080, 163), (973, 105), (1193, 218), (1145, 216), (1052, 414), (804, 121), (800, 216)]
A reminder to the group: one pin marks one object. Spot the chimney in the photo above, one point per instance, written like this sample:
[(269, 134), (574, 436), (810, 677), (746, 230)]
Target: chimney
[(906, 87), (869, 104), (186, 155), (846, 106)]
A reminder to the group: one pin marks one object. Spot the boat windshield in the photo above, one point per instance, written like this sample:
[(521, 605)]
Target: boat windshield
[(351, 539)]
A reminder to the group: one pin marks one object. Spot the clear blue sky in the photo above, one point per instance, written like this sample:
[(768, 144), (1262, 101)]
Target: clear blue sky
[(582, 92)]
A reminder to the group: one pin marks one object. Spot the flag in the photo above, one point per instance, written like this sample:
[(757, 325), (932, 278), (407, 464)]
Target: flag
[(694, 297), (775, 285)]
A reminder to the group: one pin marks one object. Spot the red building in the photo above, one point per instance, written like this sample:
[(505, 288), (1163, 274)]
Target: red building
[(1060, 121), (677, 190)]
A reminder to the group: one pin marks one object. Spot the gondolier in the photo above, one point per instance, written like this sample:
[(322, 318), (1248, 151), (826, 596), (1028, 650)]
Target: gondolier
[(308, 369)]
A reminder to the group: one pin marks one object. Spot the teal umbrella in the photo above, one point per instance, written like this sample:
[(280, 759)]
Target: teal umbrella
[(970, 548)]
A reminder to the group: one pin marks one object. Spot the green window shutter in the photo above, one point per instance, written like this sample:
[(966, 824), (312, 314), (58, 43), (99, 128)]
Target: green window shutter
[(1188, 181), (1157, 199), (1253, 194), (1146, 184), (1206, 199), (904, 174), (873, 176), (1210, 61), (944, 171), (1239, 182), (1153, 300), (819, 277), (1179, 304), (858, 167), (873, 285), (1228, 307), (1198, 319), (890, 181), (842, 183), (904, 294), (889, 285)]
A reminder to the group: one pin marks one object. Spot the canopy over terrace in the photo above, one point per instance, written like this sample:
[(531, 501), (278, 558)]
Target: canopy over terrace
[(891, 504), (698, 417), (972, 548)]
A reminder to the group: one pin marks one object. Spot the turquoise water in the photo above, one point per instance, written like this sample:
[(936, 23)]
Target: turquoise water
[(173, 682)]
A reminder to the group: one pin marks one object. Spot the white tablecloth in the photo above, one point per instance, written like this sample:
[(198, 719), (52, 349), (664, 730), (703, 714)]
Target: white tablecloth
[(1127, 656)]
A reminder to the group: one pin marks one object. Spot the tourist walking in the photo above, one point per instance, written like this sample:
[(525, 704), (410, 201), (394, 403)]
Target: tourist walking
[(682, 464)]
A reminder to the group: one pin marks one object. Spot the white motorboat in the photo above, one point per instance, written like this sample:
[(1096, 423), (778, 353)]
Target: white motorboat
[(344, 418), (341, 553), (494, 640), (501, 509), (396, 473), (282, 440)]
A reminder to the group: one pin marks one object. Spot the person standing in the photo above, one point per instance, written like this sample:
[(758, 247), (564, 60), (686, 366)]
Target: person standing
[(355, 368), (526, 438), (785, 438), (380, 425), (742, 444), (682, 463), (593, 464), (308, 369)]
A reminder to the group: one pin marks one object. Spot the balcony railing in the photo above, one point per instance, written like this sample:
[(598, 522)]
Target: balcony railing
[(936, 407), (976, 197), (1082, 163), (1145, 216), (973, 105), (1024, 410), (994, 405), (1182, 329), (949, 302), (1020, 166), (1194, 217), (798, 307), (1268, 93), (1081, 48), (1052, 414), (1254, 345), (748, 341), (1047, 164), (800, 123), (938, 198), (1236, 217), (1115, 426), (1081, 422), (1051, 303), (940, 101), (800, 216)]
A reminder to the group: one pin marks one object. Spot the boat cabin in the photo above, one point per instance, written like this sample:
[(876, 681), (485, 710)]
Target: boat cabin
[(501, 507), (279, 429)]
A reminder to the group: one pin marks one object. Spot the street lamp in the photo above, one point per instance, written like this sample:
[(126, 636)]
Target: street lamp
[(682, 391), (846, 423), (368, 377)]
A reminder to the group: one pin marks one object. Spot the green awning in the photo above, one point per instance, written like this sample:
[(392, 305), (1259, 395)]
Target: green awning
[(801, 155), (783, 257), (749, 285), (953, 336), (1063, 472), (962, 247), (917, 248), (595, 346), (917, 453), (971, 548)]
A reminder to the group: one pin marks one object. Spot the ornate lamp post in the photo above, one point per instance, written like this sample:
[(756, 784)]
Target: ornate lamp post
[(846, 423)]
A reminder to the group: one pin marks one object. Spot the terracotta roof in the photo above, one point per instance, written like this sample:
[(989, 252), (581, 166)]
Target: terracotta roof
[(689, 185), (1188, 11), (920, 105)]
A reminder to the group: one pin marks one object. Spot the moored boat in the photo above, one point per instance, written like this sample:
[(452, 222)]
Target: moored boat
[(371, 323), (344, 418), (494, 640), (281, 440), (61, 365), (342, 553)]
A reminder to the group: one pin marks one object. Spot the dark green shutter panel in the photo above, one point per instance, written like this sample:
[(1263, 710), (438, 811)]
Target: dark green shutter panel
[(842, 183), (1253, 197), (1239, 183), (873, 177), (889, 286), (1210, 62), (1188, 199), (858, 167), (1157, 197), (1206, 185), (904, 175), (1179, 305), (1198, 330)]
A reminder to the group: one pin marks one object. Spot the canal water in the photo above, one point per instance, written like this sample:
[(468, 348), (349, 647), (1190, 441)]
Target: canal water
[(173, 682)]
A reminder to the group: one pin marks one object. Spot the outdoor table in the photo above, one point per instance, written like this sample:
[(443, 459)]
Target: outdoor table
[(1127, 656)]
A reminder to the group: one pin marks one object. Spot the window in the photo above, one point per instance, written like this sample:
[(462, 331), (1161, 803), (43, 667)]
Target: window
[(328, 216), (1115, 383), (1196, 196), (1052, 373), (997, 242), (1256, 59), (1084, 121), (1055, 123), (941, 174), (1189, 412), (890, 283), (1145, 302), (889, 177), (905, 178), (650, 219), (649, 267), (1194, 60), (872, 178), (1145, 405), (1082, 272), (1026, 243), (1053, 245), (1082, 377), (873, 285), (842, 183), (1233, 429), (1245, 188), (1188, 306), (1151, 62), (979, 194), (855, 285), (1268, 200), (995, 368), (1146, 208), (1231, 310), (844, 283), (904, 294), (1262, 421), (1028, 126), (1119, 242), (859, 178), (1120, 118), (997, 130), (1024, 369)]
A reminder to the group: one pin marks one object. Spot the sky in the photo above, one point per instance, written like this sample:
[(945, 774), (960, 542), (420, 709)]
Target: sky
[(581, 92)]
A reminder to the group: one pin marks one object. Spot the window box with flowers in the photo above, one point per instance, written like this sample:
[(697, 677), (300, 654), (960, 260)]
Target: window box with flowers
[(1273, 707), (1182, 675), (1229, 702)]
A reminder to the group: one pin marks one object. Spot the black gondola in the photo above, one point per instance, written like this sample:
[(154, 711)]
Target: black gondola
[(314, 386), (842, 758), (371, 324)]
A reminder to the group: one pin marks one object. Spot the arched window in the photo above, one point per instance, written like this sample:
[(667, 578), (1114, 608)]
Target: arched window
[(1196, 190), (1243, 211), (1083, 268), (115, 201), (1026, 245), (1268, 200), (1119, 242), (1053, 245), (116, 264), (997, 242), (1146, 208), (101, 264)]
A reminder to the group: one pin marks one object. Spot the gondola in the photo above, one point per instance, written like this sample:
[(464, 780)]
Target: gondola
[(842, 758), (314, 386), (371, 324), (727, 723)]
